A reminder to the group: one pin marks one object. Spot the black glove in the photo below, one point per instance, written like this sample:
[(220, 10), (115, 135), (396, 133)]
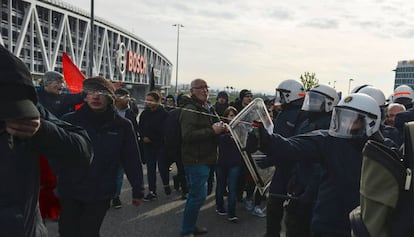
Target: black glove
[(264, 137), (257, 139), (252, 143)]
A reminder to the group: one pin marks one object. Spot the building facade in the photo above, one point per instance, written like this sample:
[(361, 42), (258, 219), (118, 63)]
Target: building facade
[(40, 31), (404, 73)]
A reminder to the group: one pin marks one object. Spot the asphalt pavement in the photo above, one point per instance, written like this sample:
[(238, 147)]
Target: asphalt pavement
[(162, 217)]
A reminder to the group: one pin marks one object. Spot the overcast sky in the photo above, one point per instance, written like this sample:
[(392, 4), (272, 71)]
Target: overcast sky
[(256, 44)]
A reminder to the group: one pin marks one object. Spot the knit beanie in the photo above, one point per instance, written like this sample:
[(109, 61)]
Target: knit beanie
[(244, 93), (223, 94), (51, 76)]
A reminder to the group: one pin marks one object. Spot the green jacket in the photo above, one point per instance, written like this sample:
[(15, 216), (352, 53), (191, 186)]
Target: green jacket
[(199, 142)]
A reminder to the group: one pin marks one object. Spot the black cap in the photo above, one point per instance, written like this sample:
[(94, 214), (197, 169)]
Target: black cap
[(18, 97), (121, 92)]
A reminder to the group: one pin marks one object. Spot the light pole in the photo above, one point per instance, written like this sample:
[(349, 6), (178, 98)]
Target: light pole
[(349, 85), (334, 84), (176, 63), (91, 39)]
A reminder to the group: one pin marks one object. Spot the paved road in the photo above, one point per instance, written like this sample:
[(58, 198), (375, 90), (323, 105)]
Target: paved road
[(162, 218)]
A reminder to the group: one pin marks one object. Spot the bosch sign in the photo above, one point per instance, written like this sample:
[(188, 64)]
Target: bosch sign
[(136, 63)]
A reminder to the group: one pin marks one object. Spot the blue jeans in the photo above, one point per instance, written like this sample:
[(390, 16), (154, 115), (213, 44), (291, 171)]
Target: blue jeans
[(155, 155), (119, 179), (227, 176), (197, 176)]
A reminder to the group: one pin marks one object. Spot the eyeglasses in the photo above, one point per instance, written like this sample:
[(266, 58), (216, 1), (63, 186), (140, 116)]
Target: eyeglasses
[(170, 99), (201, 88), (96, 92), (122, 96)]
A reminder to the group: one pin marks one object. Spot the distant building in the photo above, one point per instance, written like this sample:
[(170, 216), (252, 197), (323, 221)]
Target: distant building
[(39, 31), (404, 73)]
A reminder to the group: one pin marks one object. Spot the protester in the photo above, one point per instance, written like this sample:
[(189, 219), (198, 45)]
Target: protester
[(245, 97), (392, 110), (86, 192), (199, 150), (122, 107), (228, 167), (169, 103), (173, 145), (52, 97), (151, 128), (222, 102), (26, 132)]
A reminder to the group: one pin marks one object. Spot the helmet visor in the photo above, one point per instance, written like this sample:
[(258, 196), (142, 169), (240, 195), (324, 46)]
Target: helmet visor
[(314, 102), (346, 123), (280, 97)]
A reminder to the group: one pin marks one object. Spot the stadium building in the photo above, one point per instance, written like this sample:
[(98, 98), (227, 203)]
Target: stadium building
[(39, 32), (404, 73)]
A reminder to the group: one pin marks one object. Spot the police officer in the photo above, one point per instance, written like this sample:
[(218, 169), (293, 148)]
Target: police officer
[(303, 184), (290, 94), (394, 138), (355, 119)]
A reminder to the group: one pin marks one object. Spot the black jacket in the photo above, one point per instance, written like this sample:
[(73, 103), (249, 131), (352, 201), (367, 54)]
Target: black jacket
[(61, 143), (59, 104), (152, 124), (341, 160), (115, 144)]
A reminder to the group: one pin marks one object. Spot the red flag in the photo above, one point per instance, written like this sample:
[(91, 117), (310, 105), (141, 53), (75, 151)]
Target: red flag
[(73, 76)]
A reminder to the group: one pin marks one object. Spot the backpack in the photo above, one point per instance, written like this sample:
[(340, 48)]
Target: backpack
[(173, 135), (386, 191)]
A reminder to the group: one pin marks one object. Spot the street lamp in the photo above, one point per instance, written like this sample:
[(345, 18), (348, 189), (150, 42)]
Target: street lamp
[(91, 39), (349, 85), (176, 63)]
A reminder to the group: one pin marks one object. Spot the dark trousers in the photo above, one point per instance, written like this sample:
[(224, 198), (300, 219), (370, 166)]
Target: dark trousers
[(82, 219), (155, 155), (298, 219), (274, 216), (181, 175)]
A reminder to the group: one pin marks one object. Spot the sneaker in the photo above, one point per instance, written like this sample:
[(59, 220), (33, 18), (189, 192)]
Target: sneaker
[(167, 190), (249, 205), (233, 219), (221, 211), (258, 212), (116, 203), (200, 230), (150, 196)]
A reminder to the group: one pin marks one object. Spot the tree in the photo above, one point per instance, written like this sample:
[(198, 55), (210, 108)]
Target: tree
[(309, 80)]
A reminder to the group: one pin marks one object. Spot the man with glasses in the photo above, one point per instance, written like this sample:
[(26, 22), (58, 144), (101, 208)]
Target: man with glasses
[(199, 150), (86, 192)]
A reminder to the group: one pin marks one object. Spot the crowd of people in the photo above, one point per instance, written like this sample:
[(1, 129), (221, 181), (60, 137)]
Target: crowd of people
[(76, 156)]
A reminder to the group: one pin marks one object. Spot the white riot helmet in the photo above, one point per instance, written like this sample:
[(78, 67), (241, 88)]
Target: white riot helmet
[(403, 95), (289, 91), (357, 115), (378, 96), (321, 98), (358, 88)]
